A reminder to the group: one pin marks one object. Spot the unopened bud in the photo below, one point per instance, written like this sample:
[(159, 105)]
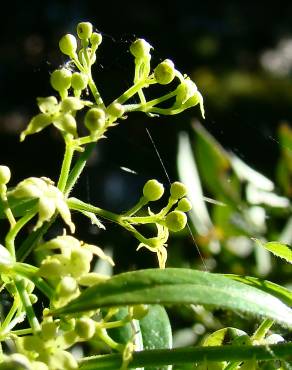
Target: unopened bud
[(153, 190), (184, 205), (95, 39), (140, 48), (178, 190), (79, 81), (68, 45), (94, 119), (115, 110), (176, 221), (61, 79), (85, 328), (84, 30), (164, 73), (5, 175)]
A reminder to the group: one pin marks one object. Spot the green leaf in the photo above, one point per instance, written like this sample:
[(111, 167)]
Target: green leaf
[(215, 167), (18, 206), (278, 249), (179, 286), (284, 294), (156, 331), (222, 336)]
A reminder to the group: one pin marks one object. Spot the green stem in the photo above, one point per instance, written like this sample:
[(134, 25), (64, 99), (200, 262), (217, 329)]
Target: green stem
[(78, 168), (190, 355), (30, 272), (9, 316), (262, 330), (32, 319), (95, 92), (133, 90), (22, 331), (10, 237), (78, 205), (112, 324), (69, 151), (103, 335), (141, 203), (141, 219), (10, 217)]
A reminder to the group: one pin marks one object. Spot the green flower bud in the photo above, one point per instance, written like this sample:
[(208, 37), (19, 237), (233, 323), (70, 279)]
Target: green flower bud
[(5, 175), (95, 39), (164, 73), (49, 330), (184, 205), (51, 267), (31, 187), (68, 124), (71, 104), (178, 190), (140, 48), (185, 91), (139, 311), (33, 298), (153, 190), (67, 286), (84, 30), (176, 221), (115, 110), (69, 338), (79, 81), (61, 79), (68, 45), (94, 119), (85, 328), (80, 262)]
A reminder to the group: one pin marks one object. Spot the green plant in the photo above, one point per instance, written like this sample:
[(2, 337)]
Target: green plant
[(118, 321)]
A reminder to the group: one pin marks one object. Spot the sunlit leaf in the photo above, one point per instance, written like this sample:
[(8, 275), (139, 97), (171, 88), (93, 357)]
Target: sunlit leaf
[(179, 286), (284, 294), (278, 249)]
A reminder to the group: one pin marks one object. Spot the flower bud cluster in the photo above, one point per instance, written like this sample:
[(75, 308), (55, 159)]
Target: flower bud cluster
[(175, 220), (60, 114), (70, 268), (89, 43), (46, 350), (170, 218), (49, 199)]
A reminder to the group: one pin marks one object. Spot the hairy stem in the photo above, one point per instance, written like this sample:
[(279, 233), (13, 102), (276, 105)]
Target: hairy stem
[(190, 355)]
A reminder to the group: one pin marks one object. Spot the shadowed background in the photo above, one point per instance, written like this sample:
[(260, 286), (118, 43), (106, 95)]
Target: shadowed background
[(239, 55)]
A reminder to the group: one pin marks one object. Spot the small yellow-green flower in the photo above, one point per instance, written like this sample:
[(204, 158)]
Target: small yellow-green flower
[(61, 115), (50, 199)]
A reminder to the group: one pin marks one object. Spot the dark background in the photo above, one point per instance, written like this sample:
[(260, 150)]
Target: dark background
[(238, 53)]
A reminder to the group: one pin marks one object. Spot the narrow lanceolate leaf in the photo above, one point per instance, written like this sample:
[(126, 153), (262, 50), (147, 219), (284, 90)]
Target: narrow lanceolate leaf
[(284, 294), (278, 249), (179, 286), (190, 355)]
